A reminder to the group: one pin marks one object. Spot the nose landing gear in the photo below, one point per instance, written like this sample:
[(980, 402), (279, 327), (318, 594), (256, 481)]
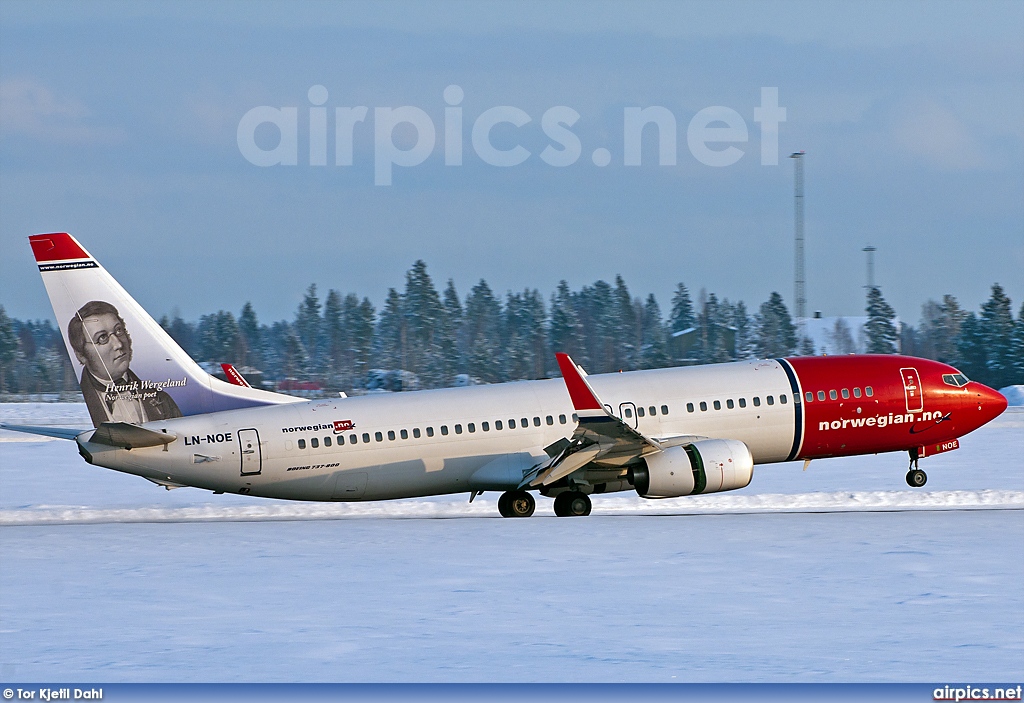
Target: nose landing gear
[(915, 476)]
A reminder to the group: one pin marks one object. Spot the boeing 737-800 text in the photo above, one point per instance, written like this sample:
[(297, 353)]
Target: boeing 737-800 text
[(663, 433)]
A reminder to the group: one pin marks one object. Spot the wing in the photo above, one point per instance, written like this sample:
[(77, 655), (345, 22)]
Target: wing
[(599, 438)]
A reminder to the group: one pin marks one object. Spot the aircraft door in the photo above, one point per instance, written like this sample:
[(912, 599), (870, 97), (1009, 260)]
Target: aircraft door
[(252, 458), (627, 413), (912, 389)]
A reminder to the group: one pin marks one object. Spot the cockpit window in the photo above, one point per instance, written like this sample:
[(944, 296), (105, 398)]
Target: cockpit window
[(957, 380)]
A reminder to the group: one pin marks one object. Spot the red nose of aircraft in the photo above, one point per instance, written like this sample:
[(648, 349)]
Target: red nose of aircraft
[(984, 403)]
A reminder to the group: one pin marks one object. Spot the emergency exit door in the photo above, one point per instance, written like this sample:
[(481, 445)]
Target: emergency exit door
[(252, 459)]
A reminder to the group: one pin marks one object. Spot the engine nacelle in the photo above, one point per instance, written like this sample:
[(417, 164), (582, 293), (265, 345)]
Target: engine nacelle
[(706, 466)]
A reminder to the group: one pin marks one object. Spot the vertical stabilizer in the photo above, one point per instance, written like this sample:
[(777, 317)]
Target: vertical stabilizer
[(129, 368)]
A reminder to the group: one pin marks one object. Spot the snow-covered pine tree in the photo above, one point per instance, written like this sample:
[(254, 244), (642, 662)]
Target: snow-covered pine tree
[(307, 327), (881, 331), (997, 327), (424, 318), (482, 321), (564, 330), (971, 357), (776, 333)]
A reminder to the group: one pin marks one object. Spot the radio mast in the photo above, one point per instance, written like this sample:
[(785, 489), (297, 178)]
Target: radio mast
[(799, 292)]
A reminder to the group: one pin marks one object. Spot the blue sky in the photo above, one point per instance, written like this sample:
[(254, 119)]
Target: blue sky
[(119, 124)]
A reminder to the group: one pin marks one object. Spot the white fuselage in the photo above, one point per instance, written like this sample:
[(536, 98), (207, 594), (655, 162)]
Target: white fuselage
[(443, 441)]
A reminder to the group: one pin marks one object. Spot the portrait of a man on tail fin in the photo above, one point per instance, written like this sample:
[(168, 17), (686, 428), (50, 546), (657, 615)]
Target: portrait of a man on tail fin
[(113, 392)]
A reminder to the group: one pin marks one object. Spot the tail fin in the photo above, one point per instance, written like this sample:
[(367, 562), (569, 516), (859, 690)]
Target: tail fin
[(130, 368)]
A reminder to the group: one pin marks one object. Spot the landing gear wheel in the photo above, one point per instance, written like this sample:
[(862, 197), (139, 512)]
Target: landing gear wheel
[(916, 478), (503, 505), (572, 504), (516, 504)]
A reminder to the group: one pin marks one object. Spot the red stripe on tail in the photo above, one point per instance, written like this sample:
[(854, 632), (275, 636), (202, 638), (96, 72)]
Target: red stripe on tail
[(59, 246)]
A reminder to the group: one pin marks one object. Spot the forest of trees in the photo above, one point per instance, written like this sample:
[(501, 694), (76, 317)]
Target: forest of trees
[(422, 338)]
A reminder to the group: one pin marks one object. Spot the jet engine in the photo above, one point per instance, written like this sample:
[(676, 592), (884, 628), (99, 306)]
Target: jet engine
[(705, 466)]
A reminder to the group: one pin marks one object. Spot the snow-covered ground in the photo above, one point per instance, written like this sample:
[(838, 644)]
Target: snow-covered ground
[(839, 573), (1014, 394)]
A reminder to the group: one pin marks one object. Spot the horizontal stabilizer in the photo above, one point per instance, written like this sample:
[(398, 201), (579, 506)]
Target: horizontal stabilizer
[(123, 434), (58, 432)]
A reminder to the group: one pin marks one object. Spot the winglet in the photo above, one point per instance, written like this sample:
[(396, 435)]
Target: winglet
[(583, 396), (233, 377)]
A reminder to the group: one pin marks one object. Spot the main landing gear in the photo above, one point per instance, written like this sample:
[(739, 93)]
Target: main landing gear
[(522, 504), (915, 476), (516, 504), (572, 504)]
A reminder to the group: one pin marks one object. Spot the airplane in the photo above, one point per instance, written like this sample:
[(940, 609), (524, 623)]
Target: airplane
[(663, 433)]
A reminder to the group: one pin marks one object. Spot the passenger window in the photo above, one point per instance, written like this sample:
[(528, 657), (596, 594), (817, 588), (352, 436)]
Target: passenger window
[(640, 412), (652, 411), (366, 437), (821, 395), (664, 410), (391, 435), (378, 436), (575, 417), (430, 431), (497, 424), (846, 393), (856, 392), (550, 420), (524, 423), (703, 406), (327, 441), (832, 394), (416, 432), (404, 434), (561, 419), (628, 413), (868, 391), (757, 401), (770, 400), (536, 422), (784, 398), (743, 402), (729, 404), (444, 430), (718, 405), (689, 407), (809, 396), (353, 439), (458, 429), (302, 444), (314, 443), (471, 427), (511, 423), (485, 426)]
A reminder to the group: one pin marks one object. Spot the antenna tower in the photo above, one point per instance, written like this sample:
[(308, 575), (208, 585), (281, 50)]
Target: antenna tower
[(799, 292)]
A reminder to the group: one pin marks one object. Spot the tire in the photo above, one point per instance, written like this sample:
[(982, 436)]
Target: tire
[(916, 478), (520, 504), (572, 504), (579, 505), (503, 504), (561, 508)]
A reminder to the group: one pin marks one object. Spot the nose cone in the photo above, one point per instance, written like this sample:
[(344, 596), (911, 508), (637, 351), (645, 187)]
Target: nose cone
[(984, 403)]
